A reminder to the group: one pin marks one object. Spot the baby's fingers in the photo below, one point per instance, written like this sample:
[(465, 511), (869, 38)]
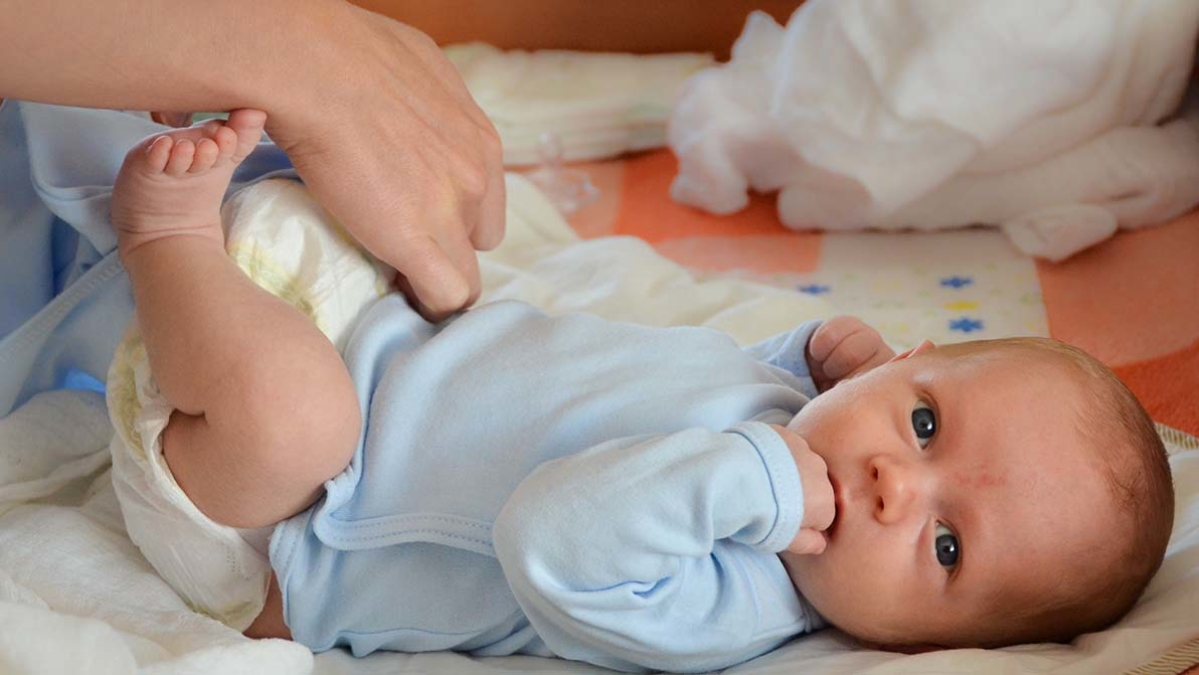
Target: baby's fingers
[(829, 336), (859, 351), (808, 542)]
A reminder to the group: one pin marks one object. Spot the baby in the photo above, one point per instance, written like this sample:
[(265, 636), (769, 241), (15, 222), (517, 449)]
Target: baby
[(638, 498)]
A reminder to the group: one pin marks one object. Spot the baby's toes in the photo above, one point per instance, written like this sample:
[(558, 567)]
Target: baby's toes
[(247, 124), (158, 152), (181, 158), (206, 154), (226, 142)]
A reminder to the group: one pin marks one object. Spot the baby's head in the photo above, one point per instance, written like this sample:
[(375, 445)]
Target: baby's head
[(988, 493)]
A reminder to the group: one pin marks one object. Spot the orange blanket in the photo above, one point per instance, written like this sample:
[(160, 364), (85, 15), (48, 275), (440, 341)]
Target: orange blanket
[(1133, 301)]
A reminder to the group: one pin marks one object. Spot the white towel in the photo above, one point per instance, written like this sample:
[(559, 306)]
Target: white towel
[(43, 452), (598, 104), (1039, 116)]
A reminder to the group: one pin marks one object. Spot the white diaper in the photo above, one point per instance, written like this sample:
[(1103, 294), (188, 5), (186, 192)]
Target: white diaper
[(218, 570), (288, 245)]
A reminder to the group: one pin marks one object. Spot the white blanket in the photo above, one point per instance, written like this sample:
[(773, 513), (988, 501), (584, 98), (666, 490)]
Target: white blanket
[(76, 596), (598, 104), (1047, 117)]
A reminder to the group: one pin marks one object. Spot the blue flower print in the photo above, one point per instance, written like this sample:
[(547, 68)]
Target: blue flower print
[(957, 282), (966, 325)]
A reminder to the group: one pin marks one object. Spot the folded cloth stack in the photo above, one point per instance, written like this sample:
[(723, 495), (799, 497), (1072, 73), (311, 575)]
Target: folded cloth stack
[(598, 104), (1051, 119)]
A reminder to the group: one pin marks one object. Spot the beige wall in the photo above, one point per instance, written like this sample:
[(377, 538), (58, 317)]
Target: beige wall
[(604, 25)]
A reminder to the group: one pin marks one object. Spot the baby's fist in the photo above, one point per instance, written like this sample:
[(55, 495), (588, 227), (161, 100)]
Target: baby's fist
[(843, 347), (819, 503)]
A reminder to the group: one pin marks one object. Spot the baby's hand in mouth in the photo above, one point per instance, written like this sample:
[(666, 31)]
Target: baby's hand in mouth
[(819, 500)]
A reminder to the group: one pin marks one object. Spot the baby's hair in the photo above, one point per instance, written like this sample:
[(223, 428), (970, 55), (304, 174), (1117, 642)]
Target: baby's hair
[(1138, 476)]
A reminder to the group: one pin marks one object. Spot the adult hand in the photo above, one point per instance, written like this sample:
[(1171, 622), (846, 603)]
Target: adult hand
[(402, 156), (819, 502), (843, 347), (374, 117)]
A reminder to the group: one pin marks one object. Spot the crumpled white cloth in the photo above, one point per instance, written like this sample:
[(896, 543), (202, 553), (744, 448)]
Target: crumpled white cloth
[(75, 594), (1047, 117), (598, 104)]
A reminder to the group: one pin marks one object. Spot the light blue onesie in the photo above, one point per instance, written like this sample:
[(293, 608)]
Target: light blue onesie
[(695, 585), (564, 486)]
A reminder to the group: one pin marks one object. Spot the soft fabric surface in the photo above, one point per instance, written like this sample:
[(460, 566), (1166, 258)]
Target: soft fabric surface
[(1049, 119), (75, 594)]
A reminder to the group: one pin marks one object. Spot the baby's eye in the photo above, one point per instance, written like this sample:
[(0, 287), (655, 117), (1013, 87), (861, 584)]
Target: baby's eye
[(946, 544), (924, 422)]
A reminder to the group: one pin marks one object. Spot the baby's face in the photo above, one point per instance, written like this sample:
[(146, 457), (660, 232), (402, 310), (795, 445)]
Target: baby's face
[(963, 487)]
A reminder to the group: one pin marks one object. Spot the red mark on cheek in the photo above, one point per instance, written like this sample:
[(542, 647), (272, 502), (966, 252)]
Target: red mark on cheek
[(979, 479)]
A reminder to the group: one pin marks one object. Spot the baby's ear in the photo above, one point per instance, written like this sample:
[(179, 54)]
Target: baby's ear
[(924, 346)]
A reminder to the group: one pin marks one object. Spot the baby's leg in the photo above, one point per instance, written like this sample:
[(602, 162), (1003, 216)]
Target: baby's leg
[(266, 410)]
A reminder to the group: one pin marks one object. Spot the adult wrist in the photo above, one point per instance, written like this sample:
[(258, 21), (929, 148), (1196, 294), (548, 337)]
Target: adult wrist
[(326, 65)]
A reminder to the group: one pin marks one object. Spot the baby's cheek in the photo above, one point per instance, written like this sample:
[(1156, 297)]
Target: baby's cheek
[(794, 422)]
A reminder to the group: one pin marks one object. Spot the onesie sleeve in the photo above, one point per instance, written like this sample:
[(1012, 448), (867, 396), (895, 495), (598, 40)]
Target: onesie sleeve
[(788, 351), (658, 552)]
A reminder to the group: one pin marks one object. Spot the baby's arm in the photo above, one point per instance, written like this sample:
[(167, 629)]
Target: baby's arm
[(657, 552)]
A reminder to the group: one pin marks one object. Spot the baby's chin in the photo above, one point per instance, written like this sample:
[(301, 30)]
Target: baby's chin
[(901, 648), (856, 618), (908, 633)]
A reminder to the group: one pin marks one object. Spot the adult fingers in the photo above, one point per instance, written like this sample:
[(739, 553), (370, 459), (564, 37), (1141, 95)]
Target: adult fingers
[(405, 161), (480, 189), (430, 279), (488, 229), (491, 223), (458, 249), (484, 212)]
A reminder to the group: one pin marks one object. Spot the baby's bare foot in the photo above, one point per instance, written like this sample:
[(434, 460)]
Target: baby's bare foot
[(173, 183)]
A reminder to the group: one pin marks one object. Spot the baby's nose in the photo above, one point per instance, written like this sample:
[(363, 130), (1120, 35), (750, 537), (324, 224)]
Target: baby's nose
[(897, 488)]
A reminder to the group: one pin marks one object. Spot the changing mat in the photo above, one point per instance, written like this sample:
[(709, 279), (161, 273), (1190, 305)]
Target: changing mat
[(1130, 301), (76, 595)]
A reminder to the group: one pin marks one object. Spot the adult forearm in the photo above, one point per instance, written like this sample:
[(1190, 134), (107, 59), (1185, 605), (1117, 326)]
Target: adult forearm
[(154, 54)]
